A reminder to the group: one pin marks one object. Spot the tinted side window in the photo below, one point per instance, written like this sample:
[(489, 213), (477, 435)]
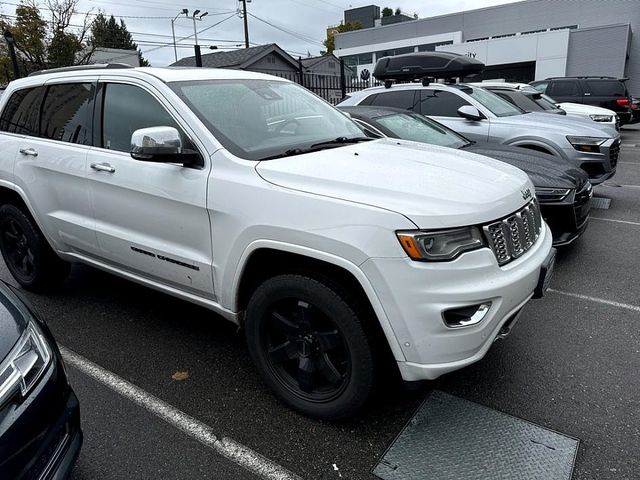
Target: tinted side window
[(564, 89), (22, 112), (66, 114), (609, 88), (404, 99), (440, 103), (128, 108)]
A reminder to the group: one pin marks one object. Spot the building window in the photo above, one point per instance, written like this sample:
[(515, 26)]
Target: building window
[(431, 47), (477, 39), (362, 59), (332, 65), (394, 51), (534, 31), (271, 59), (505, 35), (566, 27)]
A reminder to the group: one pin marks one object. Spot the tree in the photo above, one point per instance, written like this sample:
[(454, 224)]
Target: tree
[(398, 11), (44, 44), (387, 12), (330, 42), (108, 33)]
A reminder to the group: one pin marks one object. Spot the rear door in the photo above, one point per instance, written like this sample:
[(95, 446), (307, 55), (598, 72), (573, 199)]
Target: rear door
[(568, 90), (51, 162), (151, 218), (605, 92), (443, 106)]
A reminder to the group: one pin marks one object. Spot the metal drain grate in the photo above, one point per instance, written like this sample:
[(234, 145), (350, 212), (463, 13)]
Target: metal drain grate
[(602, 203), (451, 438)]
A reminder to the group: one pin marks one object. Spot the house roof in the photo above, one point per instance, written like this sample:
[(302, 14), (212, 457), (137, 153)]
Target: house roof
[(311, 62), (236, 58)]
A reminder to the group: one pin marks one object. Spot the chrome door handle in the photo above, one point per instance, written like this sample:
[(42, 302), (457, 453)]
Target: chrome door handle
[(103, 167), (29, 151)]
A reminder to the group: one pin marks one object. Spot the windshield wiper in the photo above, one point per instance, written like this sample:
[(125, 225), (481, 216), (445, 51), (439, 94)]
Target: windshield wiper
[(336, 142), (340, 141)]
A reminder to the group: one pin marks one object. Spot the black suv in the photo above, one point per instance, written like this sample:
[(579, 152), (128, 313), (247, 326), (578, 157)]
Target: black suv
[(606, 92)]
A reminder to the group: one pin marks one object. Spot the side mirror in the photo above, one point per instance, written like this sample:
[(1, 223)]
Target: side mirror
[(470, 113), (162, 145)]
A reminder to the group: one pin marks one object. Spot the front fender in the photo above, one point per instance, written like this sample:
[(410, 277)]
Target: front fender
[(230, 296)]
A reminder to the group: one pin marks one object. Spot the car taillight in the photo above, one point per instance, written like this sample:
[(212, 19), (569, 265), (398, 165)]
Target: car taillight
[(623, 102)]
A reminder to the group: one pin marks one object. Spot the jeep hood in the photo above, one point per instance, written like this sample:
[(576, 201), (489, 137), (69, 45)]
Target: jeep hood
[(435, 187)]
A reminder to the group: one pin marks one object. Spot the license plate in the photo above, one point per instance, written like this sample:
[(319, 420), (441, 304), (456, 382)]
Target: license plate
[(546, 273)]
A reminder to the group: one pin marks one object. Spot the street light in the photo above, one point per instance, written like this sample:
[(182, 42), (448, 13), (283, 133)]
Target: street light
[(185, 12), (196, 48), (195, 17)]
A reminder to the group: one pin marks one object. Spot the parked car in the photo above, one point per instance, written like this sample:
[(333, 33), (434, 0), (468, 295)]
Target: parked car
[(564, 191), (40, 435), (248, 195), (635, 110), (482, 116), (509, 92), (606, 92)]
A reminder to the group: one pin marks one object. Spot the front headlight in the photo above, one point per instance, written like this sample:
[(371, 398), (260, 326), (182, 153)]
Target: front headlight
[(24, 365), (440, 245), (545, 194), (602, 118), (586, 144)]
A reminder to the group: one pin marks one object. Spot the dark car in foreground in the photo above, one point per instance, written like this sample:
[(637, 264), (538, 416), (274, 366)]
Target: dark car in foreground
[(40, 435), (563, 191)]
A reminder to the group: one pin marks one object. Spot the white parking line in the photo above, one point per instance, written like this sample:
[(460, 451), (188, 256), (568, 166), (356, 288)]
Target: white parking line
[(627, 222), (633, 308), (227, 447)]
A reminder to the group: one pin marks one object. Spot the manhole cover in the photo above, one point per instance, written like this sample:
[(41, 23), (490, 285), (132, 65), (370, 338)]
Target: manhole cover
[(601, 203), (451, 438)]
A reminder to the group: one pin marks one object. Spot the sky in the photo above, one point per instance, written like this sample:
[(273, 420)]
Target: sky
[(298, 26)]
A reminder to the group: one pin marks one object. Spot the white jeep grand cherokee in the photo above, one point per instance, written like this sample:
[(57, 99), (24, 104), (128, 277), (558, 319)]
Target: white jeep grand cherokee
[(249, 195)]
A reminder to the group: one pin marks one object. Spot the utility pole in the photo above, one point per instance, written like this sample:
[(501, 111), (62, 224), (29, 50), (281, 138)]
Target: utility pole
[(246, 25), (11, 44)]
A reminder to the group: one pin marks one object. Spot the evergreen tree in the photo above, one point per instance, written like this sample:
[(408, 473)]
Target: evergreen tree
[(109, 33)]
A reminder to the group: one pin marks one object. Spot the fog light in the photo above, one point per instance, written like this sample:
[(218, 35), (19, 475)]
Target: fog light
[(466, 316)]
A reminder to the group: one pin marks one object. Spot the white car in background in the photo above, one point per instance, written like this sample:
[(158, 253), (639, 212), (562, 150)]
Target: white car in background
[(600, 115)]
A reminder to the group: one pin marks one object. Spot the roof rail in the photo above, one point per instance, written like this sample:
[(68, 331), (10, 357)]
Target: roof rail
[(95, 66), (586, 76)]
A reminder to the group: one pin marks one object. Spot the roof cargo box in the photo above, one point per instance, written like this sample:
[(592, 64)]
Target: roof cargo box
[(414, 66)]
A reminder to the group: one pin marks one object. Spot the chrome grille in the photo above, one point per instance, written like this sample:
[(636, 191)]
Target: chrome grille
[(511, 237)]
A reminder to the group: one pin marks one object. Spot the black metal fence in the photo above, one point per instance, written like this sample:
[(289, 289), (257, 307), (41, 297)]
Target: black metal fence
[(333, 88)]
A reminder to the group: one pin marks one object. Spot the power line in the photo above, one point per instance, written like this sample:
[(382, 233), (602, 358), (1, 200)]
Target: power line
[(297, 35)]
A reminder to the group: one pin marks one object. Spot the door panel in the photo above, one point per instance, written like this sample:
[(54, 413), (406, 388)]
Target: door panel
[(51, 165), (151, 218)]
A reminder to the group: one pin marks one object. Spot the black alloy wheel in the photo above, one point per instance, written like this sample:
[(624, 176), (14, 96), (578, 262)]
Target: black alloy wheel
[(26, 252), (309, 346)]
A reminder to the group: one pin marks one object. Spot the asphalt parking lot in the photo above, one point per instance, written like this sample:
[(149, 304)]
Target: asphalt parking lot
[(571, 364)]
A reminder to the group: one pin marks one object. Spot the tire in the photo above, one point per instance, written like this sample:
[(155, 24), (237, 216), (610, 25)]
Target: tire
[(309, 346), (26, 252)]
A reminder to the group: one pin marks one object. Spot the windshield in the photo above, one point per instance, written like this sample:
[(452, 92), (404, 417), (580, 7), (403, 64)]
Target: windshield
[(258, 119), (415, 127), (491, 101)]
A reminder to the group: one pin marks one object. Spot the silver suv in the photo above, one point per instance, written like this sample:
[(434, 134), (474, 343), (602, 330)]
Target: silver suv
[(483, 116)]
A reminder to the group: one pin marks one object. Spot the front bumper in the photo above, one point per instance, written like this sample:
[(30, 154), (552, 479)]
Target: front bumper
[(599, 166), (569, 218), (415, 295)]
